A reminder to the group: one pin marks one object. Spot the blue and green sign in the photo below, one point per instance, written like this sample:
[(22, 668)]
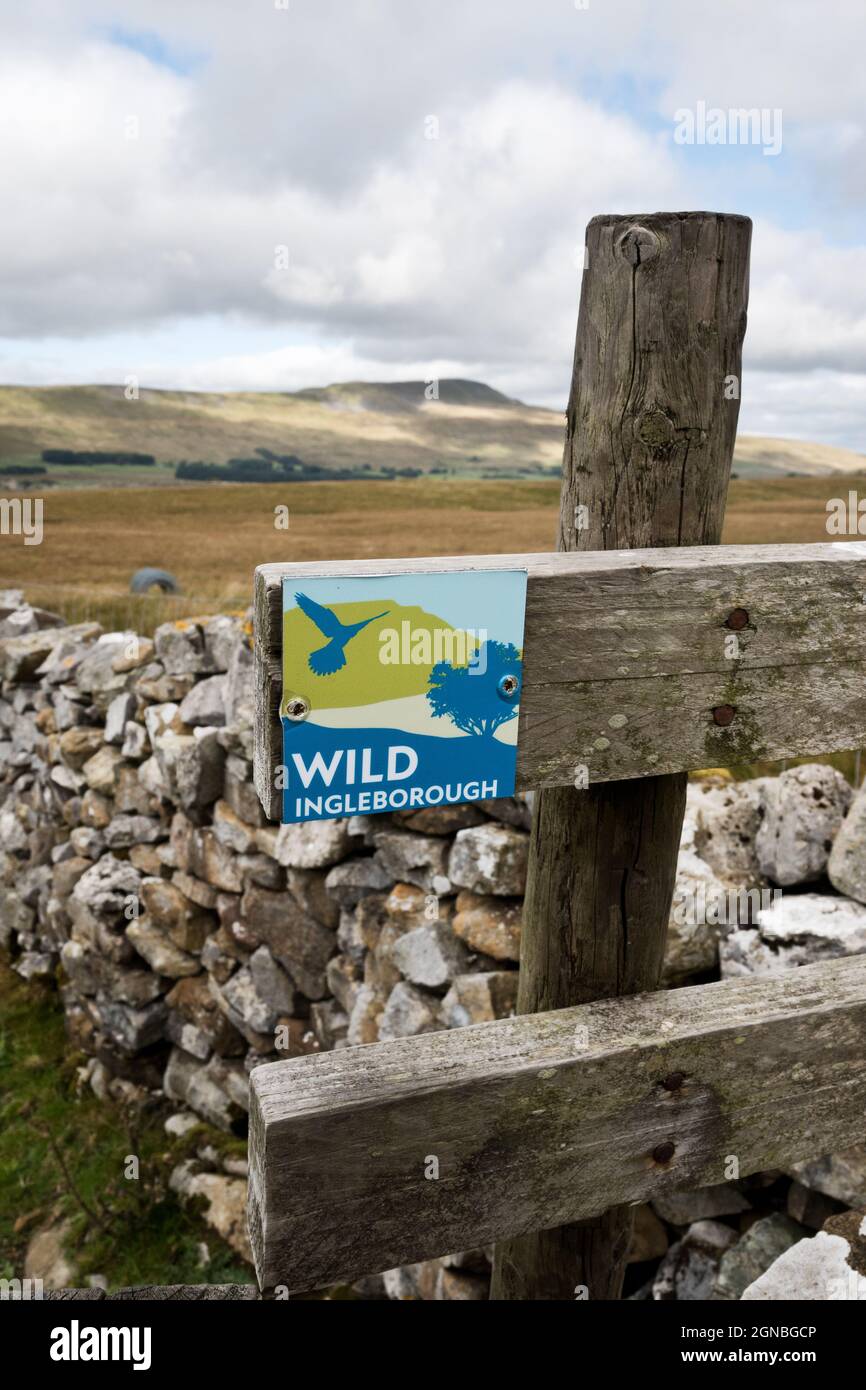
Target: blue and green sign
[(400, 691)]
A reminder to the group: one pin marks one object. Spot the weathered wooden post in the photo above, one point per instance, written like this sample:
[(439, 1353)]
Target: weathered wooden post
[(651, 424)]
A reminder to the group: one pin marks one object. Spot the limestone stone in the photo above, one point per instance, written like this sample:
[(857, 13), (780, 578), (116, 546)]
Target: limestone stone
[(841, 1176), (160, 952), (231, 831), (702, 1203), (811, 1271), (754, 1252), (798, 929), (692, 943), (479, 998), (315, 845), (131, 1028), (124, 831), (138, 653), (205, 703), (100, 771), (689, 1271), (107, 887), (410, 858), (214, 1090), (120, 711), (204, 894), (490, 859), (180, 646), (224, 1204), (803, 810), (301, 945), (79, 744), (408, 1012), (192, 765), (136, 744), (92, 973), (440, 820), (20, 657), (847, 865), (728, 817), (344, 977), (183, 921), (131, 796), (261, 870), (240, 793), (347, 883), (489, 924), (67, 874), (195, 1015), (363, 1025), (217, 864), (308, 888), (257, 995), (430, 955), (330, 1023)]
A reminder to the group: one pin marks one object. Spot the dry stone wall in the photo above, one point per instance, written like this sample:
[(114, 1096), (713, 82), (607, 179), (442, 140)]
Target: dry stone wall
[(191, 940)]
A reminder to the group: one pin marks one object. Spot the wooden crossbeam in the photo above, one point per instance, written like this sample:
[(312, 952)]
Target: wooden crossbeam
[(546, 1119), (632, 657)]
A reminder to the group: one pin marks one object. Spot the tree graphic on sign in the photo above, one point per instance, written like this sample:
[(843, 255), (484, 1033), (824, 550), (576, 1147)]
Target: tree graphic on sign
[(472, 696)]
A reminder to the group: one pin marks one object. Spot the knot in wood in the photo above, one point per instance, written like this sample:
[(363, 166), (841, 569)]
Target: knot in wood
[(655, 429), (638, 245)]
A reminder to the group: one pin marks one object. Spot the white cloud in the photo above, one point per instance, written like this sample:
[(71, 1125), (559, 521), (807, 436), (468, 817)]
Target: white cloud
[(305, 129)]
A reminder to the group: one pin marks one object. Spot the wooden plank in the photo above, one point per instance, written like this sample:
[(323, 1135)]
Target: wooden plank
[(627, 654), (545, 1119)]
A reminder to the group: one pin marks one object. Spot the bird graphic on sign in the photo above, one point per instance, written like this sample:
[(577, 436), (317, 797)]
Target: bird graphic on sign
[(324, 661)]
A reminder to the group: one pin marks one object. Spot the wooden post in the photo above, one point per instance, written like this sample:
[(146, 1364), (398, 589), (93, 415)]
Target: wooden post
[(651, 425)]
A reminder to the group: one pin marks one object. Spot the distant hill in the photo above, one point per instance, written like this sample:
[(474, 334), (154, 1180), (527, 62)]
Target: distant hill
[(470, 431)]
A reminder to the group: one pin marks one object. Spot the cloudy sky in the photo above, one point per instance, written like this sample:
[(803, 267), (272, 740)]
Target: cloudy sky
[(269, 194)]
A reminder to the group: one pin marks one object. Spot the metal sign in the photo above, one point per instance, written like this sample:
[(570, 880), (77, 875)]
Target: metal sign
[(400, 691)]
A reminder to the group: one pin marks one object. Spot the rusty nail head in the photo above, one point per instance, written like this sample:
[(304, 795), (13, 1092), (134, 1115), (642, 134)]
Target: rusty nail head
[(663, 1153), (737, 619), (674, 1081), (723, 715)]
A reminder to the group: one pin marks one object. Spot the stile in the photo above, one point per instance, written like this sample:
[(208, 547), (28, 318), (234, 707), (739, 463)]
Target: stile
[(546, 1126), (546, 1118)]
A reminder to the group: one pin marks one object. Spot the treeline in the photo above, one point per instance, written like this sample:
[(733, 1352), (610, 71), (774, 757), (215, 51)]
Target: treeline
[(268, 467), (86, 457), (21, 470)]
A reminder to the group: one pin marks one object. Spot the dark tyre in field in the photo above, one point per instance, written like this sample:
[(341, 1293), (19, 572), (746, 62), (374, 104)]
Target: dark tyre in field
[(145, 580)]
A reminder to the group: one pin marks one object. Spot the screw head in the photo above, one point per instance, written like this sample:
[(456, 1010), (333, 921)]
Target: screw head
[(737, 619), (674, 1081), (507, 687), (296, 708), (663, 1153), (723, 715)]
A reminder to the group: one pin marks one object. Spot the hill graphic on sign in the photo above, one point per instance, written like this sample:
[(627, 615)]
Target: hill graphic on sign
[(375, 654)]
